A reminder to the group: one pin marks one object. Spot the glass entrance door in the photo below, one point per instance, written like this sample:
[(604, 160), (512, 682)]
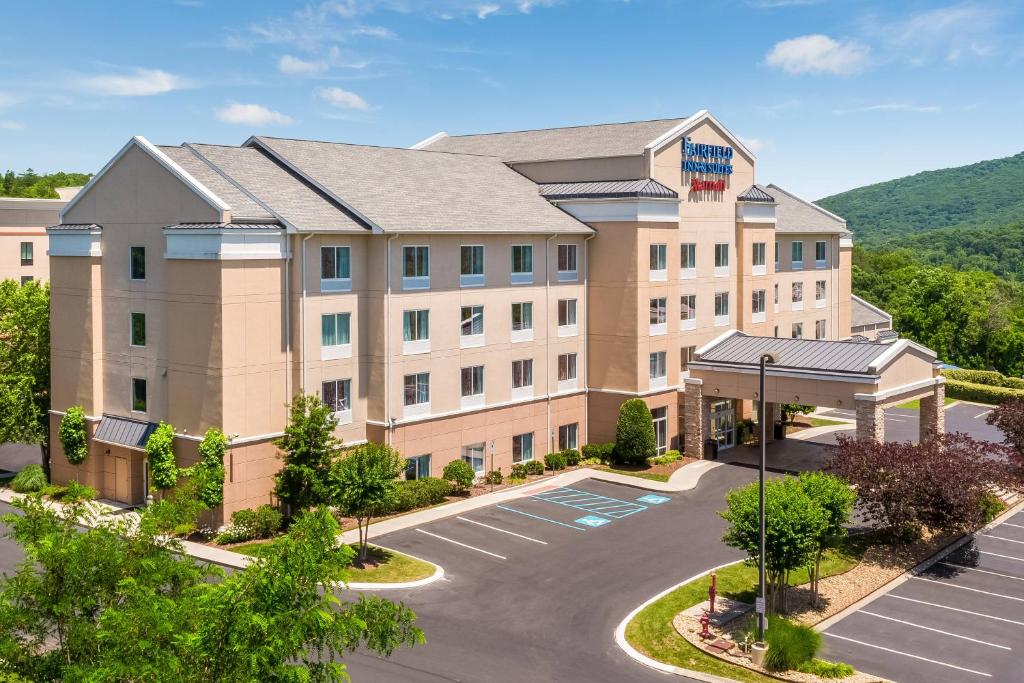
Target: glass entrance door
[(723, 424)]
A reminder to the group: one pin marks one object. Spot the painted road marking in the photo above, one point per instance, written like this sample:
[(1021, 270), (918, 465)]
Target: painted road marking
[(1018, 526), (653, 499), (592, 521), (1005, 557), (982, 414), (591, 502), (983, 571), (1000, 538), (544, 519), (967, 588), (504, 531), (935, 630), (955, 609), (907, 654), (464, 545)]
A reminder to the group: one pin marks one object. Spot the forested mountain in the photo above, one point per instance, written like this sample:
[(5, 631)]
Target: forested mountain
[(32, 185)]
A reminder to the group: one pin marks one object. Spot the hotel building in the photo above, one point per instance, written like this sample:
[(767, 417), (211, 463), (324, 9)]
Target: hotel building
[(485, 297), (23, 241)]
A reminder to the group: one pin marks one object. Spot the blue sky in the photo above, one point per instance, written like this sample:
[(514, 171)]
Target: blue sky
[(831, 94)]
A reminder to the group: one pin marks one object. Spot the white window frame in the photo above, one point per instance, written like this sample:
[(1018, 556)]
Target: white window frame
[(821, 329), (657, 369), (758, 263), (131, 330), (29, 249), (415, 346), (131, 395), (688, 323), (418, 408), (688, 265), (686, 354), (522, 443), (820, 246), (797, 296), (476, 397), (524, 333), (659, 262), (567, 329), (131, 275), (758, 304), (521, 277), (336, 351), (569, 361), (722, 250), (336, 284), (569, 436), (473, 453), (820, 293), (657, 316), (472, 279), (568, 274), (522, 369), (414, 282), (660, 418), (721, 304), (344, 412), (795, 263), (471, 340)]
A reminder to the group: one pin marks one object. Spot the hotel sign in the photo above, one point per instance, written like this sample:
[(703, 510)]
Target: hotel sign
[(701, 158)]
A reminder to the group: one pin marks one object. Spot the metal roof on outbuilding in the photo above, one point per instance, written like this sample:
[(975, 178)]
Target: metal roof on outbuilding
[(124, 431), (794, 354), (755, 193), (608, 189)]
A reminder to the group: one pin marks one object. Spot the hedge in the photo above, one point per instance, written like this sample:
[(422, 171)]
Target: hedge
[(980, 393), (986, 377)]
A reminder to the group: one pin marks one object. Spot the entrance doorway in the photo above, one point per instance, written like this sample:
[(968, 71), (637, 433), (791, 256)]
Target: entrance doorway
[(723, 423), (122, 480)]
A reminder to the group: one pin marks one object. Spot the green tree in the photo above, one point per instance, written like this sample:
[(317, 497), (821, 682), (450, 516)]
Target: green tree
[(309, 447), (364, 481), (794, 524), (836, 499), (163, 470), (459, 474), (119, 602), (791, 410), (635, 440), (72, 435), (25, 364), (208, 473)]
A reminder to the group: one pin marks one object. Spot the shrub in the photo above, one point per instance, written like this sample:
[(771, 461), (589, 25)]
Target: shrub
[(988, 377), (572, 457), (669, 457), (602, 452), (534, 467), (460, 474), (163, 471), (791, 410), (31, 478), (789, 644), (72, 435), (591, 461), (515, 481), (249, 525), (554, 461), (991, 507), (980, 393), (74, 492), (519, 471), (209, 471), (634, 434), (422, 492), (823, 669), (1009, 418), (493, 477)]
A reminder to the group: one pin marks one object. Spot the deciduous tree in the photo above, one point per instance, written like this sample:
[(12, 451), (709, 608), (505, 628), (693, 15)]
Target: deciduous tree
[(308, 448), (363, 482), (836, 499), (1009, 418), (25, 364)]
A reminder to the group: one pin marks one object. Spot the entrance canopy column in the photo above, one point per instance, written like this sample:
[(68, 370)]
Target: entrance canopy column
[(933, 415), (695, 418), (870, 420)]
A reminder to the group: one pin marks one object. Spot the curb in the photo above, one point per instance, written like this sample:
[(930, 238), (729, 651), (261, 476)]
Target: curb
[(620, 635), (436, 576)]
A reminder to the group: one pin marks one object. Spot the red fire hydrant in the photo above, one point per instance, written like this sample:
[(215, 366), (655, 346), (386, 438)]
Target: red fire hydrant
[(704, 621), (713, 590)]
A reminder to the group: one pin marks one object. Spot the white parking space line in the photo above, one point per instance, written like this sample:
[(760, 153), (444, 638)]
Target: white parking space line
[(1003, 538), (1005, 557), (907, 654), (1016, 526), (459, 543), (967, 588), (955, 609), (982, 571), (504, 531), (983, 414), (934, 630)]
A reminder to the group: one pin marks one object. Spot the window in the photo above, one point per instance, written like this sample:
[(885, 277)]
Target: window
[(522, 447), (798, 331), (688, 260), (721, 259), (138, 329), (26, 279), (566, 261), (776, 331), (473, 381), (567, 312), (798, 296), (660, 416), (471, 273), (721, 308), (757, 308), (26, 253), (417, 389), (685, 356), (472, 321), (417, 467), (337, 395), (758, 258), (137, 259), (335, 269), (776, 300), (522, 373), (522, 321), (657, 370), (658, 315), (688, 312), (474, 455), (567, 367), (819, 254), (819, 294), (776, 255), (659, 261), (798, 255), (819, 329), (335, 329), (568, 436), (415, 267), (138, 395), (522, 264), (416, 331)]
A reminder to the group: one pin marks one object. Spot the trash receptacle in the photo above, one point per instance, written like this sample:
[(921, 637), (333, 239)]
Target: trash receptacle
[(711, 449), (779, 431)]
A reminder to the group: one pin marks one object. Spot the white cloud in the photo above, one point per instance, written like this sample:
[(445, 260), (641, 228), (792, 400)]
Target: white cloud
[(252, 115), (343, 99), (11, 125), (757, 145), (300, 67), (484, 11), (891, 106), (138, 83), (818, 54), (9, 99), (374, 32), (771, 4)]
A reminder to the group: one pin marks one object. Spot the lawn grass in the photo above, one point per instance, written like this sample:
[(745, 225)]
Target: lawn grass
[(916, 403), (390, 567), (632, 472), (824, 422), (651, 631)]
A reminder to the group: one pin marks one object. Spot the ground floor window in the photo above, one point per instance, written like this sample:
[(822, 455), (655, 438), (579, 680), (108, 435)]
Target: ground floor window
[(522, 447), (660, 416), (418, 467), (474, 455), (138, 395), (568, 436), (337, 394)]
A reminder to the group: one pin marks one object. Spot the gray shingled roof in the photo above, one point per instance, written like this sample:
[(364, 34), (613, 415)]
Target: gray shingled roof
[(755, 193), (403, 190), (607, 189), (124, 431), (793, 214), (225, 226), (577, 142), (864, 314), (796, 354), (75, 226), (293, 199), (242, 206)]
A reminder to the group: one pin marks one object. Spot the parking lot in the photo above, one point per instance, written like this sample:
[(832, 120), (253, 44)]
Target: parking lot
[(961, 620), (901, 424)]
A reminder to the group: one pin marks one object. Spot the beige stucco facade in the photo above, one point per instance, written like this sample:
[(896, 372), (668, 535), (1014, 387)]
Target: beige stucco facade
[(23, 241)]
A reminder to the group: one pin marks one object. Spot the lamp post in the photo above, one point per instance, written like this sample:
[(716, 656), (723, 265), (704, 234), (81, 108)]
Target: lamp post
[(769, 357)]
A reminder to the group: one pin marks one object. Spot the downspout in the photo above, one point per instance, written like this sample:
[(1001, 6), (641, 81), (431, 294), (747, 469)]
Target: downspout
[(547, 333), (387, 348), (302, 321), (586, 342), (288, 320)]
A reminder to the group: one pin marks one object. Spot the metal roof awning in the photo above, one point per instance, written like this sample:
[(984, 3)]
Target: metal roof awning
[(608, 189), (124, 431), (755, 193), (75, 226)]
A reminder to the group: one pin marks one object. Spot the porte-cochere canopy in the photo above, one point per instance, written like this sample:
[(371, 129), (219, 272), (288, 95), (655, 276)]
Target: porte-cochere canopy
[(860, 376)]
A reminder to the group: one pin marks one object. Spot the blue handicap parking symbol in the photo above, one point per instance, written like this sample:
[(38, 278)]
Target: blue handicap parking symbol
[(592, 521), (653, 499)]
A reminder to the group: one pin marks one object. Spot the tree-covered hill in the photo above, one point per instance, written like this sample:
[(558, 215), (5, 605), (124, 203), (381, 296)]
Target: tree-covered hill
[(32, 185)]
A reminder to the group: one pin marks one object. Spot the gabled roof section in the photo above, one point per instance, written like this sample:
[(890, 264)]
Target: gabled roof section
[(863, 313), (794, 354), (794, 214), (608, 189), (160, 157), (549, 144), (401, 190), (755, 193), (242, 205)]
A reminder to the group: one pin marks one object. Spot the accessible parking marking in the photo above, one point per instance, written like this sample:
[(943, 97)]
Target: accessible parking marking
[(653, 499), (591, 502), (504, 531), (543, 519), (464, 545), (592, 521), (912, 656)]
